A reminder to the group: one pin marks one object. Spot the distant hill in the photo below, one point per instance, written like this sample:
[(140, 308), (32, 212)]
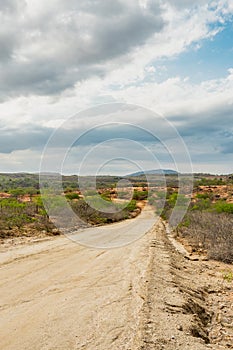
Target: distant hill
[(155, 172)]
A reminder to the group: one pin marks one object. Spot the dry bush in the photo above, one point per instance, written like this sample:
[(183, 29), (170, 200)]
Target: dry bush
[(209, 231), (93, 216)]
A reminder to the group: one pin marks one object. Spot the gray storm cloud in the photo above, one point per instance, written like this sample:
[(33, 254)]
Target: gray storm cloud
[(66, 42)]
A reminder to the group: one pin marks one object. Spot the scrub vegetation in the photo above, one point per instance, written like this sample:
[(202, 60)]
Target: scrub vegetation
[(207, 227), (22, 211)]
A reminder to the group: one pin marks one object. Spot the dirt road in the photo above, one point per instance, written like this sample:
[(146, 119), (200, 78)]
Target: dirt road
[(60, 295)]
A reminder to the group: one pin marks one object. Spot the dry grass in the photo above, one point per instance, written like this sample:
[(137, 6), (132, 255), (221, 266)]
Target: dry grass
[(212, 232)]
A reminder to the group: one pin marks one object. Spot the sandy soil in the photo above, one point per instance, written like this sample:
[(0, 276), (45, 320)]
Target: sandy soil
[(58, 295)]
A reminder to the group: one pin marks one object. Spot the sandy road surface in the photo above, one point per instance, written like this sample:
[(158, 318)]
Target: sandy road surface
[(117, 235), (60, 295)]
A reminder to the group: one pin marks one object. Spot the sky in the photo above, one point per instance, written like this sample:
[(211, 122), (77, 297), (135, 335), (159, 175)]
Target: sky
[(114, 87)]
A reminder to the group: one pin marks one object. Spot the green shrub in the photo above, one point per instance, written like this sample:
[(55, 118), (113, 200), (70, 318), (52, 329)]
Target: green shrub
[(132, 205), (204, 195), (223, 207), (228, 276), (202, 204), (18, 220), (99, 203), (106, 196), (210, 182), (140, 195), (11, 204), (177, 199), (72, 195)]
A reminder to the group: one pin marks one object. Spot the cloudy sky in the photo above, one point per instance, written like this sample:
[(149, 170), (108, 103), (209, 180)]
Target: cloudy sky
[(170, 60)]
